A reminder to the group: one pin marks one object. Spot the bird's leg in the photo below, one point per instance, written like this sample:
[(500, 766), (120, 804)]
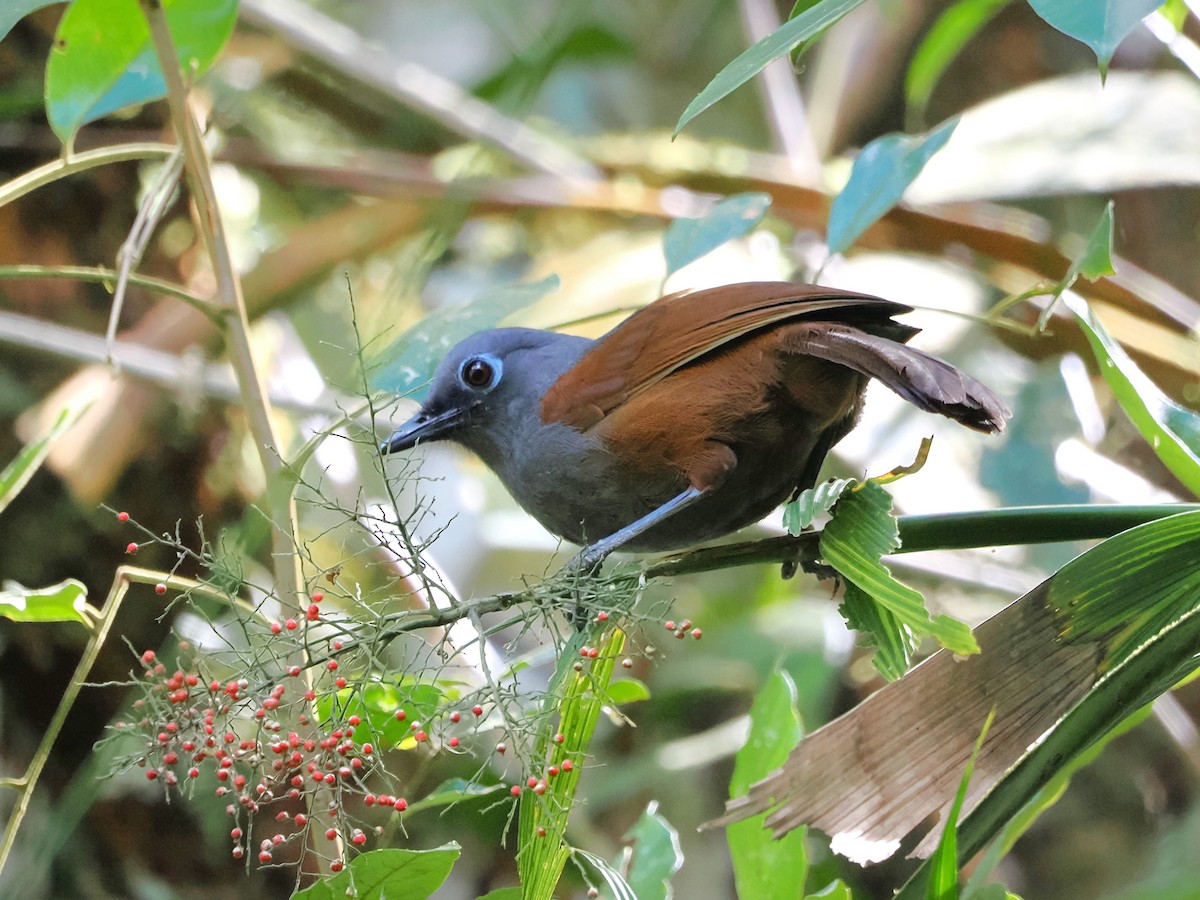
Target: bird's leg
[(590, 557)]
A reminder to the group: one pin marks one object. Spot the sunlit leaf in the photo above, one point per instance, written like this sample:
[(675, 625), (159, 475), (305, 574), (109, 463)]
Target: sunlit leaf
[(63, 602), (686, 240), (103, 58), (387, 875), (1096, 261), (756, 57), (943, 864), (656, 855), (407, 365), (881, 173), (1101, 24), (763, 866), (628, 690)]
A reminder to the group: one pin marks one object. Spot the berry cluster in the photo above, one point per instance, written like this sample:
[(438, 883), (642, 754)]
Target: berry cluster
[(195, 731)]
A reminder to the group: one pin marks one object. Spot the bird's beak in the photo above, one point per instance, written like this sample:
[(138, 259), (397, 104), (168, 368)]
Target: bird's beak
[(422, 427)]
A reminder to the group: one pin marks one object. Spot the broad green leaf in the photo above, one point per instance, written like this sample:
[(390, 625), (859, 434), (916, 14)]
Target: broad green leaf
[(800, 513), (628, 690), (13, 11), (943, 865), (505, 893), (453, 790), (863, 530), (1172, 431), (763, 866), (950, 32), (407, 365), (756, 57), (18, 472), (894, 643), (881, 173), (387, 875), (103, 58), (63, 602), (686, 240), (656, 855), (1101, 24)]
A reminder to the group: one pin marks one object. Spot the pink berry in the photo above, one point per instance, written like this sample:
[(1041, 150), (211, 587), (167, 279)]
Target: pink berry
[(131, 547)]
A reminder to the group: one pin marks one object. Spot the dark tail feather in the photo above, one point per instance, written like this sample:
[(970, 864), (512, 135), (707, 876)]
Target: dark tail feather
[(923, 380)]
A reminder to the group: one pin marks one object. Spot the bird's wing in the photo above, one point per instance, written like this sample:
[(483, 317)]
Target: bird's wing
[(681, 328)]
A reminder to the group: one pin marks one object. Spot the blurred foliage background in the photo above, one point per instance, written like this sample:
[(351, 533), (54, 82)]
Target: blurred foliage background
[(422, 156)]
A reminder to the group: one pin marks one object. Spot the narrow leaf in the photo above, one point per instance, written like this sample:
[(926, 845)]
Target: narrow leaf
[(1172, 431), (686, 240), (943, 864), (755, 58), (881, 173), (615, 880), (950, 32), (18, 472)]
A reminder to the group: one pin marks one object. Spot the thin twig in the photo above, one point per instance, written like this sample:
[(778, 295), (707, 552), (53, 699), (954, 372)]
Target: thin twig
[(108, 278), (79, 162)]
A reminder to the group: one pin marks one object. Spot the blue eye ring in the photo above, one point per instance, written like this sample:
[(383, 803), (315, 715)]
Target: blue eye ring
[(480, 373)]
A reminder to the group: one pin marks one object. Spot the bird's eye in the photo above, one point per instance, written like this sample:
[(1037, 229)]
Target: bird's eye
[(480, 373)]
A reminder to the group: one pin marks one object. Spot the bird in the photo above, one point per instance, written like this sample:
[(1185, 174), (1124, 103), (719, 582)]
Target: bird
[(694, 417)]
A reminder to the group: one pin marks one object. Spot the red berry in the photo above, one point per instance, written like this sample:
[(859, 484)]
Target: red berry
[(148, 657), (331, 834), (131, 547), (301, 820), (368, 749), (401, 715), (160, 589), (317, 597), (501, 747), (354, 721), (336, 866), (552, 771), (291, 625), (122, 517), (369, 800), (670, 624), (340, 682), (531, 781), (314, 612), (477, 710), (541, 832), (236, 834), (601, 617), (455, 718), (697, 633), (421, 737), (400, 804), (151, 775), (264, 856), (515, 790), (276, 628), (567, 765), (358, 837), (559, 738), (332, 665), (453, 742)]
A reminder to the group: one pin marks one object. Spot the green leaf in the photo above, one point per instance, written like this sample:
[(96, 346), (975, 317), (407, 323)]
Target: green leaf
[(1172, 431), (881, 173), (628, 690), (103, 58), (950, 32), (755, 58), (943, 865), (63, 602), (453, 790), (800, 513), (894, 643), (863, 530), (686, 240), (1101, 24), (799, 8), (835, 890), (1096, 261), (656, 855), (13, 11), (387, 875), (408, 363), (505, 893), (763, 866), (18, 472)]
